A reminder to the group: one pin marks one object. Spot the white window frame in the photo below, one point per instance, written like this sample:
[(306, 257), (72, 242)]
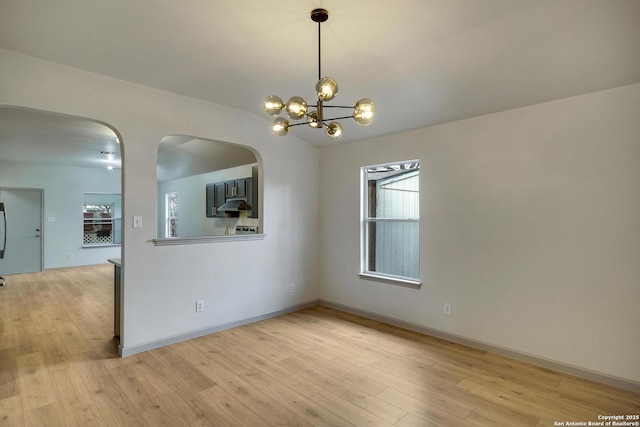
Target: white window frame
[(167, 214), (96, 202), (366, 220)]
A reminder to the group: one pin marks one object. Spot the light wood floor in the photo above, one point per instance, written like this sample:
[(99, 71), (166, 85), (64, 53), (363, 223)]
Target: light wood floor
[(316, 367)]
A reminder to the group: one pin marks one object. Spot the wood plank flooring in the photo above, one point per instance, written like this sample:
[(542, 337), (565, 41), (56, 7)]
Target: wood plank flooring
[(315, 367)]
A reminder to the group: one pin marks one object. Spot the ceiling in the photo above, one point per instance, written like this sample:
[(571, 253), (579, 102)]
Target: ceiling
[(180, 156), (42, 137), (423, 62)]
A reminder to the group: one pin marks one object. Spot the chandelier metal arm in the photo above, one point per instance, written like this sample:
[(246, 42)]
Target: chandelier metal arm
[(338, 106), (338, 118), (323, 121), (297, 124)]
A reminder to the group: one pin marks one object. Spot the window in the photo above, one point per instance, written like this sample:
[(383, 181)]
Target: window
[(101, 219), (390, 233), (186, 165), (171, 214)]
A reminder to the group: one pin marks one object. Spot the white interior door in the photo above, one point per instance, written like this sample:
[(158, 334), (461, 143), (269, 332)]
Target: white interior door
[(23, 249)]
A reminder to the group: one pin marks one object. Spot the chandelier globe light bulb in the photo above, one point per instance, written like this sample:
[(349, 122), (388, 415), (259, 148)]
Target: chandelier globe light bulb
[(312, 120), (326, 89), (280, 126), (334, 130), (364, 112), (272, 105), (296, 107)]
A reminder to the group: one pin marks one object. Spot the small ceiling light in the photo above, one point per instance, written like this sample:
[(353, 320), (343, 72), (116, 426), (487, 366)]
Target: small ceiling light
[(326, 90)]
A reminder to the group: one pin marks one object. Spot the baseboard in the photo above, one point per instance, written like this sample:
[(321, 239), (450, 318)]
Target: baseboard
[(130, 350), (514, 354)]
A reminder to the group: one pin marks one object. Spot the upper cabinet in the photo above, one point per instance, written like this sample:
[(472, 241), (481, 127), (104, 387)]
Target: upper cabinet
[(235, 188), (215, 198), (218, 193)]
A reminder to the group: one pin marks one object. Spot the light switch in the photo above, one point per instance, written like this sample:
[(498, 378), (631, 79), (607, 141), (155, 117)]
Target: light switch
[(137, 221)]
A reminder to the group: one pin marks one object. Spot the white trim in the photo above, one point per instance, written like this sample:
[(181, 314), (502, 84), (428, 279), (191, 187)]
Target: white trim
[(368, 219), (577, 371), (365, 220), (128, 351), (167, 218), (394, 280), (167, 241), (588, 374)]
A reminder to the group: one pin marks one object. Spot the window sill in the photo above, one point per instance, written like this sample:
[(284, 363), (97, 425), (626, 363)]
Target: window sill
[(168, 241), (100, 245), (409, 283)]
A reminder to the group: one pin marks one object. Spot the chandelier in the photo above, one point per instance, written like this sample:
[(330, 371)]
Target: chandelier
[(326, 89)]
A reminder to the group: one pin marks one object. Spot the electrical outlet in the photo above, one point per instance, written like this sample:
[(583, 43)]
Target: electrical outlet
[(447, 309), (292, 287), (199, 306), (70, 256)]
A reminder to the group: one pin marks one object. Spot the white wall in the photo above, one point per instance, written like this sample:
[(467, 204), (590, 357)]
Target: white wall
[(530, 228), (63, 188), (237, 280)]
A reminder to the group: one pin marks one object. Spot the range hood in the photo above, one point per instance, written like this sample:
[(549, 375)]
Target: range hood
[(235, 205)]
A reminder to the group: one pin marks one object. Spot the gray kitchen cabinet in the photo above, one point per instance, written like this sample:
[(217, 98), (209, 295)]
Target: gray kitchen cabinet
[(235, 189), (251, 199), (220, 192), (215, 199), (252, 193)]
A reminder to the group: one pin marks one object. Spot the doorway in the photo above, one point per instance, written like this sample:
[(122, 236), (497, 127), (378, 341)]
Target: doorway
[(21, 231), (64, 156)]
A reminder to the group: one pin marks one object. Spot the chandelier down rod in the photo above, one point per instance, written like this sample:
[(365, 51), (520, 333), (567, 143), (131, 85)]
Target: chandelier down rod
[(319, 16)]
